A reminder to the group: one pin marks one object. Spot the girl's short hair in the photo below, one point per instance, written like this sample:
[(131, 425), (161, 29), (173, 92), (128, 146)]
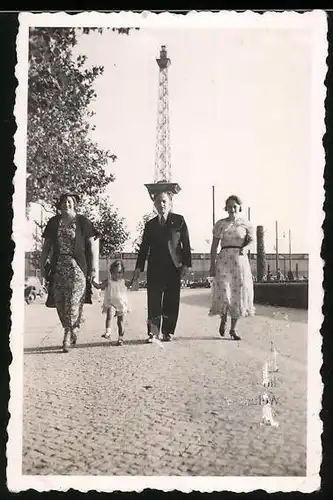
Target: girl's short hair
[(234, 198), (115, 264)]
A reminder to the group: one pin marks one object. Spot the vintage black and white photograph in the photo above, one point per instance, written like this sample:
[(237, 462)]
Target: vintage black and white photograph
[(167, 280)]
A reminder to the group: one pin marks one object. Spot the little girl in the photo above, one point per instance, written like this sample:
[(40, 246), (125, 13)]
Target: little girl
[(115, 296)]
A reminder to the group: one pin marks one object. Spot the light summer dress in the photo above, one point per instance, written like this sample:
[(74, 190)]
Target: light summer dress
[(115, 296), (232, 289)]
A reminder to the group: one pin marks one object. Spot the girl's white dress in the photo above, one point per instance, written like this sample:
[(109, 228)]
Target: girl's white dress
[(115, 295), (232, 289)]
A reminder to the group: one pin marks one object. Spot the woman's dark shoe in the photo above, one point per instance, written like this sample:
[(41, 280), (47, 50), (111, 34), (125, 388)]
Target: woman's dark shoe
[(234, 335), (166, 337), (73, 338), (66, 344), (222, 328)]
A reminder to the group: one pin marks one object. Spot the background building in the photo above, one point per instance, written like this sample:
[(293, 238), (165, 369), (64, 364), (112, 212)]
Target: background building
[(200, 264)]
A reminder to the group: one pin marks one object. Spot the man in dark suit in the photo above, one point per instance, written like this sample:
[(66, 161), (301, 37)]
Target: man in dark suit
[(166, 244)]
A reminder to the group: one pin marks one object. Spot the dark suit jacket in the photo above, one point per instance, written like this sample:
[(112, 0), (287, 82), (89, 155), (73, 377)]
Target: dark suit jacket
[(175, 241)]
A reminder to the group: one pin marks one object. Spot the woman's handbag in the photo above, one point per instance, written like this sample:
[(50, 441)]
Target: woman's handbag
[(50, 296)]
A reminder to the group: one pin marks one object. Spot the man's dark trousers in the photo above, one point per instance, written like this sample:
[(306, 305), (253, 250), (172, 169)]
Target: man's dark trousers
[(163, 301)]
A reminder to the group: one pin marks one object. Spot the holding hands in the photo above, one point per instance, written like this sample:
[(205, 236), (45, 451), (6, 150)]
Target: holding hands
[(183, 272), (135, 277)]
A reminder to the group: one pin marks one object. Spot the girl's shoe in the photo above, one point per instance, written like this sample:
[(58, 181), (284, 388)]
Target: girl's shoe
[(106, 336), (234, 335), (66, 344), (120, 341)]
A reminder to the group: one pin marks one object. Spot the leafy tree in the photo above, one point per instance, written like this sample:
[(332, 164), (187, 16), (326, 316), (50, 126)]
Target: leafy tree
[(60, 152), (139, 229), (111, 228)]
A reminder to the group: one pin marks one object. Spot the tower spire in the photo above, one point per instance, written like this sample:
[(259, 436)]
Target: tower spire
[(162, 172), (162, 153)]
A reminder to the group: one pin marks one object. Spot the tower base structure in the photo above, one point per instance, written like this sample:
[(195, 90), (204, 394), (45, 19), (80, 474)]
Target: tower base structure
[(162, 187)]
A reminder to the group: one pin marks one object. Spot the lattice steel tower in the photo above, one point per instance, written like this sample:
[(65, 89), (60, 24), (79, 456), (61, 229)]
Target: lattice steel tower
[(162, 155)]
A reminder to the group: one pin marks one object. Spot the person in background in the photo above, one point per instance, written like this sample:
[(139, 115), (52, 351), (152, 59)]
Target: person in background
[(279, 275), (115, 297), (232, 291), (290, 275), (67, 263), (166, 244)]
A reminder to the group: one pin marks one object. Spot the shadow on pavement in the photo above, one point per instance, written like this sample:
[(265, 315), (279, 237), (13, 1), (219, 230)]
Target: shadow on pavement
[(54, 349), (58, 349), (203, 338)]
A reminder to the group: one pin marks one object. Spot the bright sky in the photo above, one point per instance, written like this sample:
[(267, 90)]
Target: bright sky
[(240, 118)]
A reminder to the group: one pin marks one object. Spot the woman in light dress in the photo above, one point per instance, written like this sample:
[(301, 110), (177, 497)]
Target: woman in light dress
[(232, 290)]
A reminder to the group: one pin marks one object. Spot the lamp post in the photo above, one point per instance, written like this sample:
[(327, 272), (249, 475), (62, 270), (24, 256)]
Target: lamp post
[(213, 194)]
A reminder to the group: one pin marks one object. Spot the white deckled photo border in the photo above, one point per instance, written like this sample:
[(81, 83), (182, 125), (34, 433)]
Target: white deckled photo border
[(316, 22)]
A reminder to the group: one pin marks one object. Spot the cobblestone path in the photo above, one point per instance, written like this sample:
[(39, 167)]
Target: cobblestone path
[(189, 407)]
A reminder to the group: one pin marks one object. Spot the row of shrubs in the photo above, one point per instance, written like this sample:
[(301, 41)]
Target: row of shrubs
[(283, 294)]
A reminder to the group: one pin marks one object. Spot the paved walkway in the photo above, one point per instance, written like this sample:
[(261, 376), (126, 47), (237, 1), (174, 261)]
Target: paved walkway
[(189, 407)]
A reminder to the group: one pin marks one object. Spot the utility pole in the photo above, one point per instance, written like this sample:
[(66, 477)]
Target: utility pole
[(289, 250), (213, 205), (276, 246), (249, 218)]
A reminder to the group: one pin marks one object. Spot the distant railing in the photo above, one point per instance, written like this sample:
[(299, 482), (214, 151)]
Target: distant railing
[(283, 294)]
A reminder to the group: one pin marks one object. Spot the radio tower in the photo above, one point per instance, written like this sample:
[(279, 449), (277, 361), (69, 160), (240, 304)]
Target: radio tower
[(162, 171), (162, 155)]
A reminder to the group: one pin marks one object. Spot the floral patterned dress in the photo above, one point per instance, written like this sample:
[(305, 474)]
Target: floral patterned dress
[(69, 279), (232, 290)]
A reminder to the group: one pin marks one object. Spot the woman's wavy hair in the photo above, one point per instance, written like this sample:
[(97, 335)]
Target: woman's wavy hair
[(63, 196), (234, 198)]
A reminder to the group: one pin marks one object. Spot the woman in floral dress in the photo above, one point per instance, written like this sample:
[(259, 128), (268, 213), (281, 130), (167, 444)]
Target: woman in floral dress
[(232, 291), (68, 241)]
